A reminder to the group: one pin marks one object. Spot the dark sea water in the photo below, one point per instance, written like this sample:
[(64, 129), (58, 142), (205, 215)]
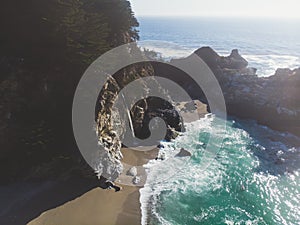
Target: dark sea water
[(253, 176), (267, 44)]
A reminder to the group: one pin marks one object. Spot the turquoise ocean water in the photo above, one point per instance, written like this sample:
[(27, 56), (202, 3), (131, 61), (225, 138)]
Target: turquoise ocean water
[(253, 177)]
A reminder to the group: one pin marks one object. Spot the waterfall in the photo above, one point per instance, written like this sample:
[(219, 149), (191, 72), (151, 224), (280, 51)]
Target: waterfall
[(129, 116)]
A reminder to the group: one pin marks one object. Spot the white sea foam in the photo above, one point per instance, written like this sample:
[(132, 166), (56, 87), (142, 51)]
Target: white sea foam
[(167, 50), (162, 175), (266, 47), (175, 177), (266, 64)]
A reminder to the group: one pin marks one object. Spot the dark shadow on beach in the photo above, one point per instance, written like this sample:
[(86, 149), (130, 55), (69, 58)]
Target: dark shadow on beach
[(23, 201)]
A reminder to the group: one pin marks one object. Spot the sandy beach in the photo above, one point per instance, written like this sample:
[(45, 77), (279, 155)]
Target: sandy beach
[(97, 206), (107, 207), (102, 206)]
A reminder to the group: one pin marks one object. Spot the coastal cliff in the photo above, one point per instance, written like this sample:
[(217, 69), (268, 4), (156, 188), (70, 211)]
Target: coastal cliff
[(40, 72), (111, 127), (46, 45), (41, 63)]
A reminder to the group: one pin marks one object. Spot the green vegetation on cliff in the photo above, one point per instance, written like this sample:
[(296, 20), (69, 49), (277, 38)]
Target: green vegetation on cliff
[(45, 47)]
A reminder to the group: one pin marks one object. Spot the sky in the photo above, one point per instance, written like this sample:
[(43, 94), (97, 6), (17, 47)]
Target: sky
[(221, 8)]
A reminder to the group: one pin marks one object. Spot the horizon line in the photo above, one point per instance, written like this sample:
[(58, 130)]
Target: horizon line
[(220, 16)]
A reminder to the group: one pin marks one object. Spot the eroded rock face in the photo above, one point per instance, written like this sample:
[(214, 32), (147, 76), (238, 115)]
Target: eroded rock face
[(108, 161), (111, 123), (272, 101)]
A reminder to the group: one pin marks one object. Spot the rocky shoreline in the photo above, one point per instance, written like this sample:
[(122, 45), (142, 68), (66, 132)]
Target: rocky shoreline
[(272, 101)]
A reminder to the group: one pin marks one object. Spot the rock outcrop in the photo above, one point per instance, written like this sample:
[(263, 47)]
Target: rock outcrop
[(233, 62), (273, 101), (111, 127)]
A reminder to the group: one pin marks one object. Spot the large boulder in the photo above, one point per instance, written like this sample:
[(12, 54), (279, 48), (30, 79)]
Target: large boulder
[(132, 172)]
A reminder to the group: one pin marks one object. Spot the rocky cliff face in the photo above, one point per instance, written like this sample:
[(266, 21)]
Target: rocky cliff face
[(111, 126), (273, 101)]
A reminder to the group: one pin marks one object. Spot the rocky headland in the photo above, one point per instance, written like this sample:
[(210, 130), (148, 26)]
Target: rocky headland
[(272, 101)]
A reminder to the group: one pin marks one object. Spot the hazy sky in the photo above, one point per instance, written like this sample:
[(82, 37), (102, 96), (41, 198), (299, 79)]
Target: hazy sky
[(248, 8)]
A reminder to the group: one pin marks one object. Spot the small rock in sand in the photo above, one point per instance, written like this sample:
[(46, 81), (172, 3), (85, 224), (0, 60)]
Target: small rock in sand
[(161, 156), (136, 180), (132, 172)]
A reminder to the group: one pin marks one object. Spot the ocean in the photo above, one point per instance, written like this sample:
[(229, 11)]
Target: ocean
[(266, 44), (253, 177)]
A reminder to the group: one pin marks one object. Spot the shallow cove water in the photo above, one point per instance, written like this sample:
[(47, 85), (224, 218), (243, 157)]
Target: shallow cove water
[(253, 178)]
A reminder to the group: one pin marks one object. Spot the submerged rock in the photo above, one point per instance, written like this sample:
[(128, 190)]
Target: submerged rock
[(183, 153)]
